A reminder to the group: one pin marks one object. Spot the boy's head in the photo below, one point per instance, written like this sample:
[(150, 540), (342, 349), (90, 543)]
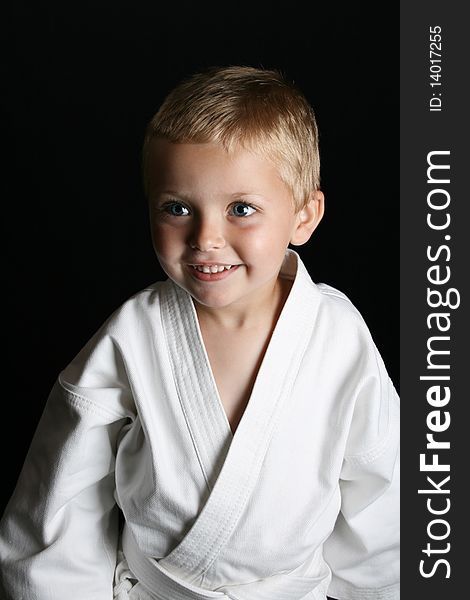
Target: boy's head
[(255, 109), (231, 174)]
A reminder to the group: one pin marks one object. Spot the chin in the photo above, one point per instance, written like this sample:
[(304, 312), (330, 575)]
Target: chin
[(212, 300)]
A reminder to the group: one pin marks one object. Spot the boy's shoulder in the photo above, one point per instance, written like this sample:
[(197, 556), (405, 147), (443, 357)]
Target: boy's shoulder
[(143, 304), (339, 317), (146, 297), (331, 292), (134, 313), (330, 301), (337, 302), (129, 329)]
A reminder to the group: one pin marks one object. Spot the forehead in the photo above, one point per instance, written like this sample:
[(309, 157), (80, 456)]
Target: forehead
[(190, 167)]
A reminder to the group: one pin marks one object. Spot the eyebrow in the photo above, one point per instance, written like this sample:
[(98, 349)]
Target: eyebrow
[(188, 197), (181, 195), (251, 194)]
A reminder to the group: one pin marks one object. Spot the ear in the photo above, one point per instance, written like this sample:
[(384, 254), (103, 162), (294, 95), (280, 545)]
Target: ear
[(308, 218)]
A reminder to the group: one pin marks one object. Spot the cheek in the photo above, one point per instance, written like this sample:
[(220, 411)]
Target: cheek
[(271, 240), (166, 241)]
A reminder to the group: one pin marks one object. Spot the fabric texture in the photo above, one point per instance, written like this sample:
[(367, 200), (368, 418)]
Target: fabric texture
[(300, 503)]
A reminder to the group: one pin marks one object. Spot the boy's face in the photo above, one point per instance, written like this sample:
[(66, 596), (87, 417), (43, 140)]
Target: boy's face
[(211, 210)]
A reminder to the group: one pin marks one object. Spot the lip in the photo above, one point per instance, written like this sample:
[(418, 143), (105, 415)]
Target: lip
[(211, 276)]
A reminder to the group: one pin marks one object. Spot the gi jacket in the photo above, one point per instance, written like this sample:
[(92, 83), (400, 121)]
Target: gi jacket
[(302, 501)]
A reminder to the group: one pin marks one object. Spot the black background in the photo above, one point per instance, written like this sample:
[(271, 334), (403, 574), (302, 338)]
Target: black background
[(83, 79)]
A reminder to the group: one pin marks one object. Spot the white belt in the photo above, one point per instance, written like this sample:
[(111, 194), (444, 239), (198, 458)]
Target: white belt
[(163, 585)]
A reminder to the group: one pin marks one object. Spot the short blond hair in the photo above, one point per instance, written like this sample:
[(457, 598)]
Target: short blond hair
[(257, 109)]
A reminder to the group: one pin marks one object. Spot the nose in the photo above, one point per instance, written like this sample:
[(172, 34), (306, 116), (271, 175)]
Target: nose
[(207, 234)]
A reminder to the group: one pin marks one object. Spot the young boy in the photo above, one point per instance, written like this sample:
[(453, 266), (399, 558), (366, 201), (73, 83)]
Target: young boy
[(238, 415)]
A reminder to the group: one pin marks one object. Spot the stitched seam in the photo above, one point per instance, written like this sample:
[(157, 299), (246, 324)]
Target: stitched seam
[(379, 448), (384, 592), (374, 453), (83, 402)]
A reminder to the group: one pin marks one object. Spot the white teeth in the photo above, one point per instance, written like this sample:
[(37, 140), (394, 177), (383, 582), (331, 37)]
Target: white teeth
[(212, 268)]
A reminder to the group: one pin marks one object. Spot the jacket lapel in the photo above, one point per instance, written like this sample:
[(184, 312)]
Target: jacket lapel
[(195, 384)]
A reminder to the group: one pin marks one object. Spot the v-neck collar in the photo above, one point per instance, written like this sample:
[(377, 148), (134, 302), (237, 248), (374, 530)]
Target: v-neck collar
[(231, 462), (199, 396)]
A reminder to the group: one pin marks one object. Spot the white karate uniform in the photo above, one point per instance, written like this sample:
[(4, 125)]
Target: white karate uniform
[(302, 501)]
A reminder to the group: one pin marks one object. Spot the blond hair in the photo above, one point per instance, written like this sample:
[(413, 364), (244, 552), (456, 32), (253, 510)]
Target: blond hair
[(257, 109)]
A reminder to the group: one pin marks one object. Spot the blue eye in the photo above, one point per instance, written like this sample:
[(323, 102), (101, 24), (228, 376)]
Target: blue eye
[(240, 209), (176, 209)]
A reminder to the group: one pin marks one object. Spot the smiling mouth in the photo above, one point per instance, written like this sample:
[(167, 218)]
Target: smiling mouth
[(212, 273), (212, 268)]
